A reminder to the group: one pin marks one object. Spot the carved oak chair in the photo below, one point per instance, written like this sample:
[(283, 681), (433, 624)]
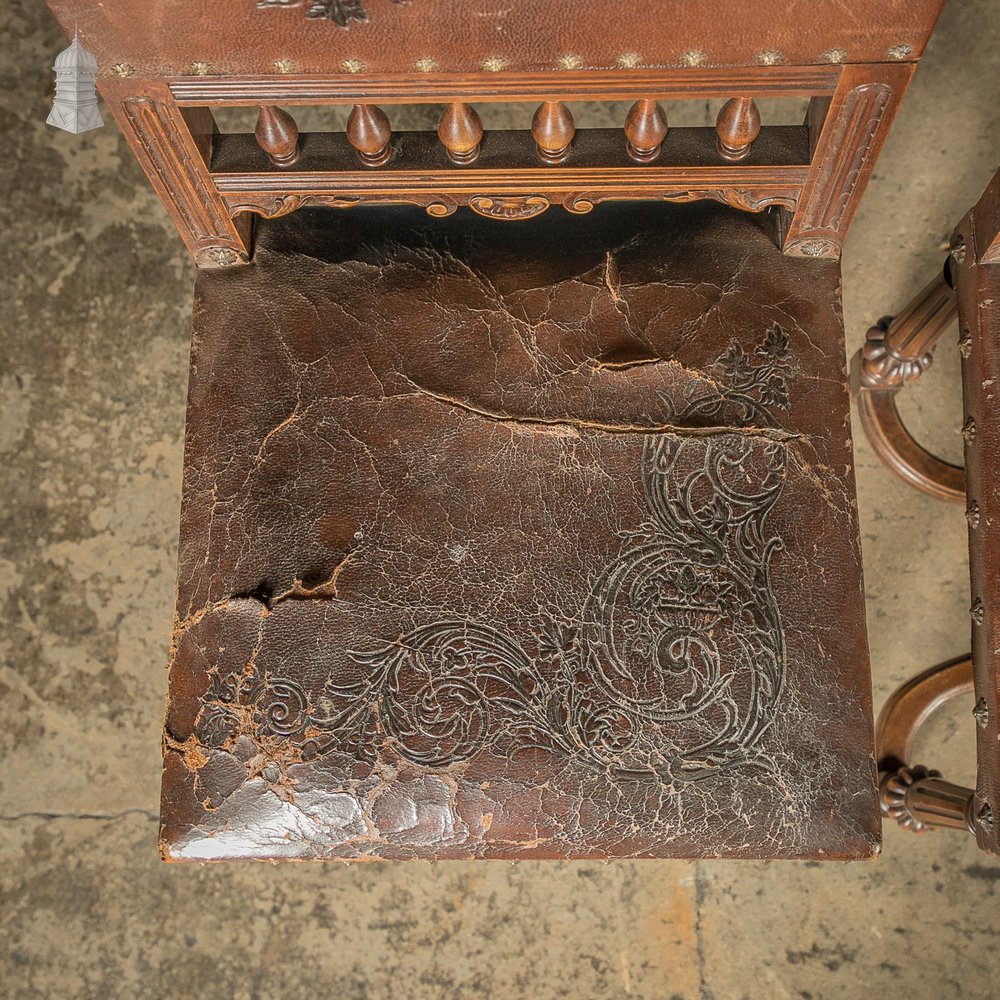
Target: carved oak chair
[(896, 353), (519, 516)]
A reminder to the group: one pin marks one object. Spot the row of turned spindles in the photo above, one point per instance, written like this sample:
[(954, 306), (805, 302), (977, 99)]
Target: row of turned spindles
[(461, 132)]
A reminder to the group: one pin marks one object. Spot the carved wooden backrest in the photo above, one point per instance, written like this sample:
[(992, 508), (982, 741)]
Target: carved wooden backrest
[(165, 66)]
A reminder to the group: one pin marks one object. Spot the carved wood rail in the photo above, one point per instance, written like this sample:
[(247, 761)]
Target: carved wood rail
[(812, 174)]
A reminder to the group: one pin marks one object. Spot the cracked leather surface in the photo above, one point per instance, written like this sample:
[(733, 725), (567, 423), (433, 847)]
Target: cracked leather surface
[(532, 540)]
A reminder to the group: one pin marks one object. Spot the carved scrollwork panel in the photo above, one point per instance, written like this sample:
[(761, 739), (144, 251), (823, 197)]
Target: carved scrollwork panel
[(742, 198), (273, 206), (510, 209), (745, 200)]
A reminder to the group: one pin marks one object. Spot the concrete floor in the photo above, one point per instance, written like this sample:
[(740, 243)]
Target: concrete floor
[(95, 321)]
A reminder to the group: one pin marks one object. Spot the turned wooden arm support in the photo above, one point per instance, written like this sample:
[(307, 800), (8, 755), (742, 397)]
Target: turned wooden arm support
[(919, 799), (897, 352), (913, 795)]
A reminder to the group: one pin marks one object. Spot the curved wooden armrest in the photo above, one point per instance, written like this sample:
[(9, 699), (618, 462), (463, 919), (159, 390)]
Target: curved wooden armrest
[(915, 796), (900, 451), (897, 352)]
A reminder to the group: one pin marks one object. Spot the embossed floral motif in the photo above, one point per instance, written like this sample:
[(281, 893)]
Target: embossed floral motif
[(748, 384), (671, 671)]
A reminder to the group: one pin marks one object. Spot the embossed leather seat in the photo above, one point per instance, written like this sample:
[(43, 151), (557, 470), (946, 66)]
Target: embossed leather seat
[(519, 542)]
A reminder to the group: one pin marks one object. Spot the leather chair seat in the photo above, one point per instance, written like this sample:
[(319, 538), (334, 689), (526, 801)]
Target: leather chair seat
[(519, 540)]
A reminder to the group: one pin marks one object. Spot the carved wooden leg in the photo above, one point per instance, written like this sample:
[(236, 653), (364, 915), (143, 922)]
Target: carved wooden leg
[(896, 353), (913, 795)]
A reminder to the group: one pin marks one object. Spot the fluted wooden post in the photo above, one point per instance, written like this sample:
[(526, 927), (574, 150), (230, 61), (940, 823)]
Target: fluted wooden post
[(737, 126), (553, 129), (645, 130), (898, 352), (369, 132), (460, 132), (278, 135), (919, 799)]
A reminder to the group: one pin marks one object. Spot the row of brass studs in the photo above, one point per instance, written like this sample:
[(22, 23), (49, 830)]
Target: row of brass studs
[(567, 61), (984, 817), (461, 132)]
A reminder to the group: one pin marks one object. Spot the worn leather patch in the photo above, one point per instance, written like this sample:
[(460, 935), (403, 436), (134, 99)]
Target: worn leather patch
[(519, 540)]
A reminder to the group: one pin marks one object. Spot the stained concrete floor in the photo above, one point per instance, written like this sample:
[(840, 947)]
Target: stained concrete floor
[(95, 294)]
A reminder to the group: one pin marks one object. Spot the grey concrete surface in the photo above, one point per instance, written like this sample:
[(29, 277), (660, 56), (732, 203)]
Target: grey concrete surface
[(95, 293)]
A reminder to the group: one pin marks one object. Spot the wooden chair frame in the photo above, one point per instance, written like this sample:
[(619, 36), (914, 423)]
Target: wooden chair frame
[(212, 184), (895, 355)]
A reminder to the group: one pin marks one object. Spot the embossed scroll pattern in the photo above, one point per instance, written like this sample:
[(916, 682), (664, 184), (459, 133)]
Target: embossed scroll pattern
[(341, 12), (671, 671)]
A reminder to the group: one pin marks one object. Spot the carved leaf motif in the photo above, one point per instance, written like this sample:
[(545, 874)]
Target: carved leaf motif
[(814, 247), (746, 201), (274, 206)]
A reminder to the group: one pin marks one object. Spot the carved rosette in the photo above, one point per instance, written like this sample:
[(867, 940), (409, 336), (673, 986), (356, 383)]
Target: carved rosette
[(883, 368), (814, 247), (219, 257)]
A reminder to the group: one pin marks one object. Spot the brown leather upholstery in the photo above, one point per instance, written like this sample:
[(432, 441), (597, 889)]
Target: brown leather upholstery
[(513, 541), (373, 37)]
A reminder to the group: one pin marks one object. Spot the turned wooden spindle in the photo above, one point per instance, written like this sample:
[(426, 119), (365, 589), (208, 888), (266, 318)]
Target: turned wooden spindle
[(553, 129), (278, 135), (737, 126), (898, 351), (645, 130), (369, 132), (913, 795), (460, 132), (919, 799)]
